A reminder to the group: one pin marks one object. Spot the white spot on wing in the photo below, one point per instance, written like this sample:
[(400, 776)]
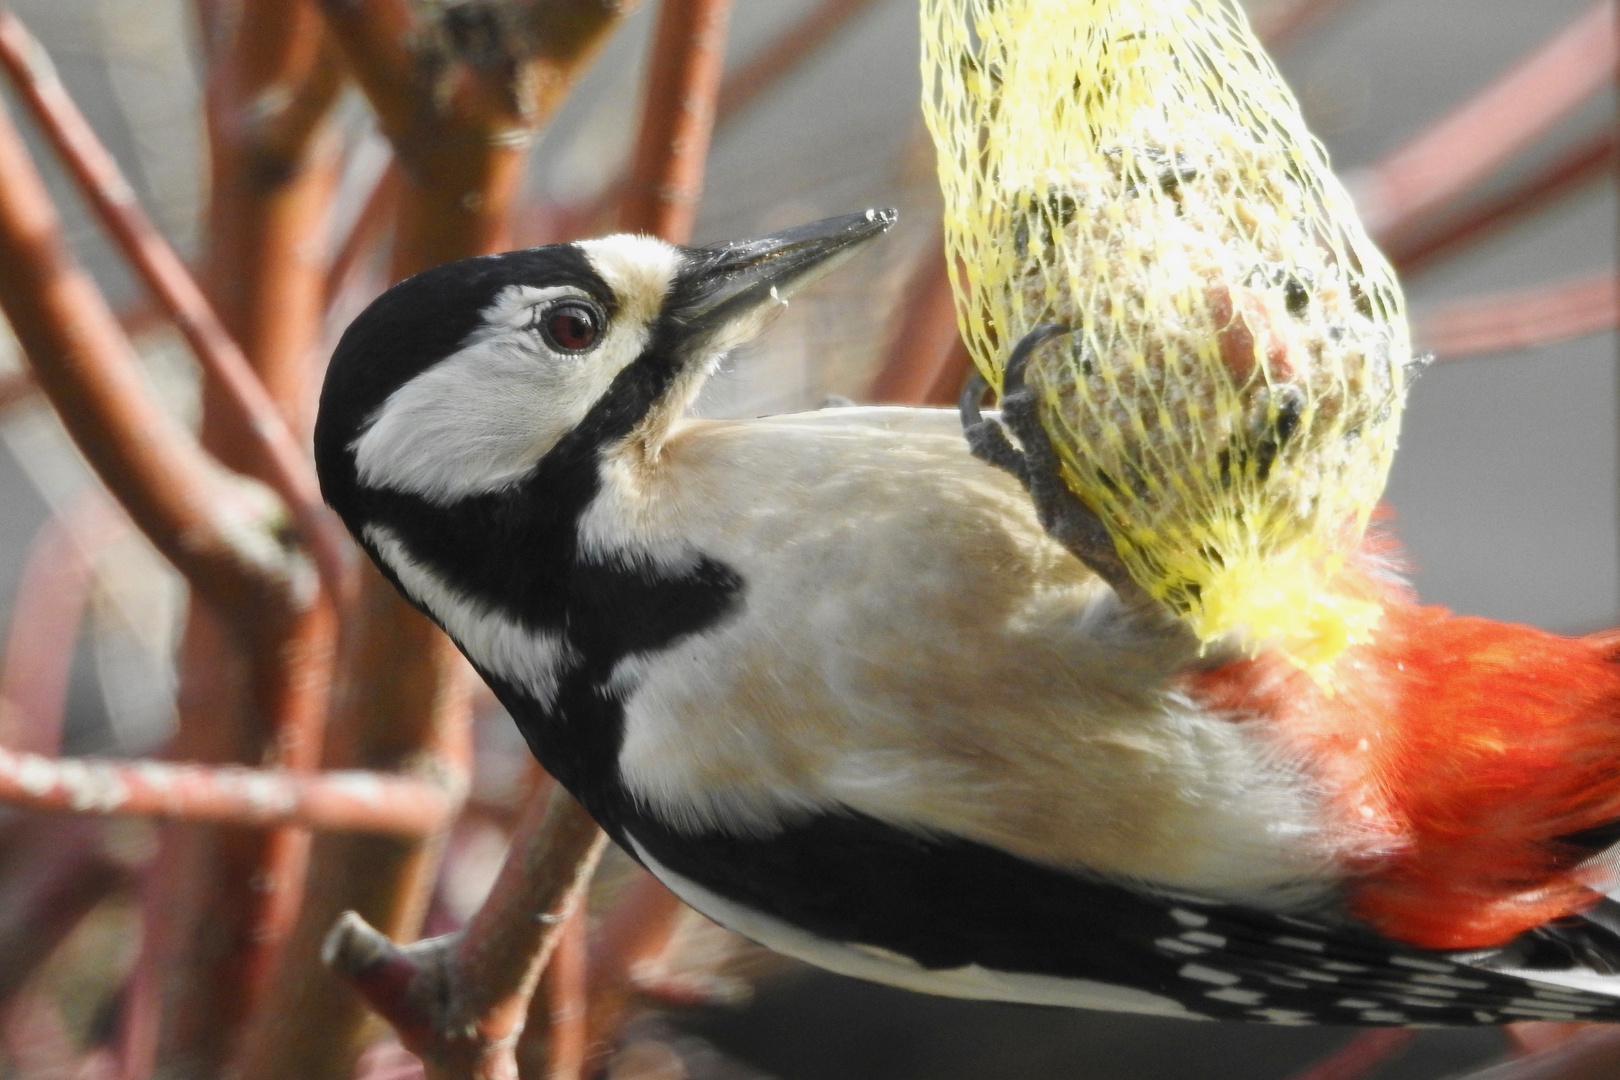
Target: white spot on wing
[(1236, 996), (1313, 976), (533, 660), (1538, 1013), (1432, 991), (1200, 973), (1582, 980), (1288, 1017), (1422, 965)]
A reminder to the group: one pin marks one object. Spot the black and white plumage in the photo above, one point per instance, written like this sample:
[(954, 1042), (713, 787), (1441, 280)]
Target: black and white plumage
[(826, 676)]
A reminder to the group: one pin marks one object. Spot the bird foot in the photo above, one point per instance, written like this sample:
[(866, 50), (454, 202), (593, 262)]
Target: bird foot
[(1034, 462)]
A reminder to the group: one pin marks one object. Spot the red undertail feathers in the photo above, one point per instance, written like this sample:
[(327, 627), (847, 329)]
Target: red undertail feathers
[(1471, 751)]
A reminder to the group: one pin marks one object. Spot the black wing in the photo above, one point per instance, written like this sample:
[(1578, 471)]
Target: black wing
[(947, 903)]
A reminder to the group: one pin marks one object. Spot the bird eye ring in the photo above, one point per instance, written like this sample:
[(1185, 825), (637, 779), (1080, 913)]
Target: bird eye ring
[(571, 326)]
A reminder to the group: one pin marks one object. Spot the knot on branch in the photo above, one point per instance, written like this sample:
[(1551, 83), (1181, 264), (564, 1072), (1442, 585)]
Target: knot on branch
[(409, 986)]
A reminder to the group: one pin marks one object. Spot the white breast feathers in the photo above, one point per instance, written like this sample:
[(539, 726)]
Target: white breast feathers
[(913, 646)]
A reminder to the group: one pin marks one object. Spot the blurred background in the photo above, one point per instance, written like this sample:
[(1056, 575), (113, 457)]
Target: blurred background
[(1504, 491)]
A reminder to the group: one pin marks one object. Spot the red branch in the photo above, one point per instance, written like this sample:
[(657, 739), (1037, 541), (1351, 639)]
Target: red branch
[(920, 352), (1282, 21), (683, 84), (336, 801), (37, 1040), (459, 1001), (1592, 1055), (634, 936), (1524, 319), (1534, 1036), (113, 199), (1415, 248), (780, 58), (784, 53), (55, 870), (459, 126), (382, 202), (1363, 1053), (400, 707), (46, 611), (555, 1042), (218, 531), (15, 389), (1473, 141)]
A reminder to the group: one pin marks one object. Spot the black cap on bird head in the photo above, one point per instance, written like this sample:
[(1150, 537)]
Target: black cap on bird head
[(459, 381)]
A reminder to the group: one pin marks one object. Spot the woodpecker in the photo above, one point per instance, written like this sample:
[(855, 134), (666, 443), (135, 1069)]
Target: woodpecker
[(830, 677)]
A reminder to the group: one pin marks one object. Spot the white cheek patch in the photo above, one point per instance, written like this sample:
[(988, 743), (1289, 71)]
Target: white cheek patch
[(532, 660), (482, 417)]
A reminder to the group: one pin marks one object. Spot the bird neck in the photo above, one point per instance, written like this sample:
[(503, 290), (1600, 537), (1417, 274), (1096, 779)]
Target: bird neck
[(545, 619)]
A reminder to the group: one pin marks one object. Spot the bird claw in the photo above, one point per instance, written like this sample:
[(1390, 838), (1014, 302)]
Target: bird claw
[(1060, 511), (987, 438)]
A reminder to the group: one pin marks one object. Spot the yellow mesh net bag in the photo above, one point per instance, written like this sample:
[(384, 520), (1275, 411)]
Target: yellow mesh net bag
[(1229, 398)]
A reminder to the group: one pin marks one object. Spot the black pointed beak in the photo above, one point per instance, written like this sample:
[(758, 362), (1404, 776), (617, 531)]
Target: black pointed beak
[(723, 285)]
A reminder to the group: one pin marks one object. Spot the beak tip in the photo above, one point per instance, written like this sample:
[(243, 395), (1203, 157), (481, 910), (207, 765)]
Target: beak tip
[(729, 278)]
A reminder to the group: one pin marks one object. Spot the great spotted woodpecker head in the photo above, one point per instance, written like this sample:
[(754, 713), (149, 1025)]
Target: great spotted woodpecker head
[(458, 382)]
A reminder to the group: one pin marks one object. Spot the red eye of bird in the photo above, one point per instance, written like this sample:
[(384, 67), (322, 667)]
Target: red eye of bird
[(570, 327)]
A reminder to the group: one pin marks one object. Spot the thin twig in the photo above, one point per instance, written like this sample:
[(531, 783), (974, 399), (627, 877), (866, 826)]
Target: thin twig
[(1360, 1055), (1438, 165), (56, 869), (287, 469), (1587, 161), (461, 128), (634, 937), (920, 348), (274, 162), (784, 54), (683, 84), (1591, 1055), (1281, 22), (46, 611), (555, 1044), (223, 899), (381, 204), (217, 530), (16, 388), (459, 1001), (401, 706), (1522, 319), (460, 132), (358, 801)]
